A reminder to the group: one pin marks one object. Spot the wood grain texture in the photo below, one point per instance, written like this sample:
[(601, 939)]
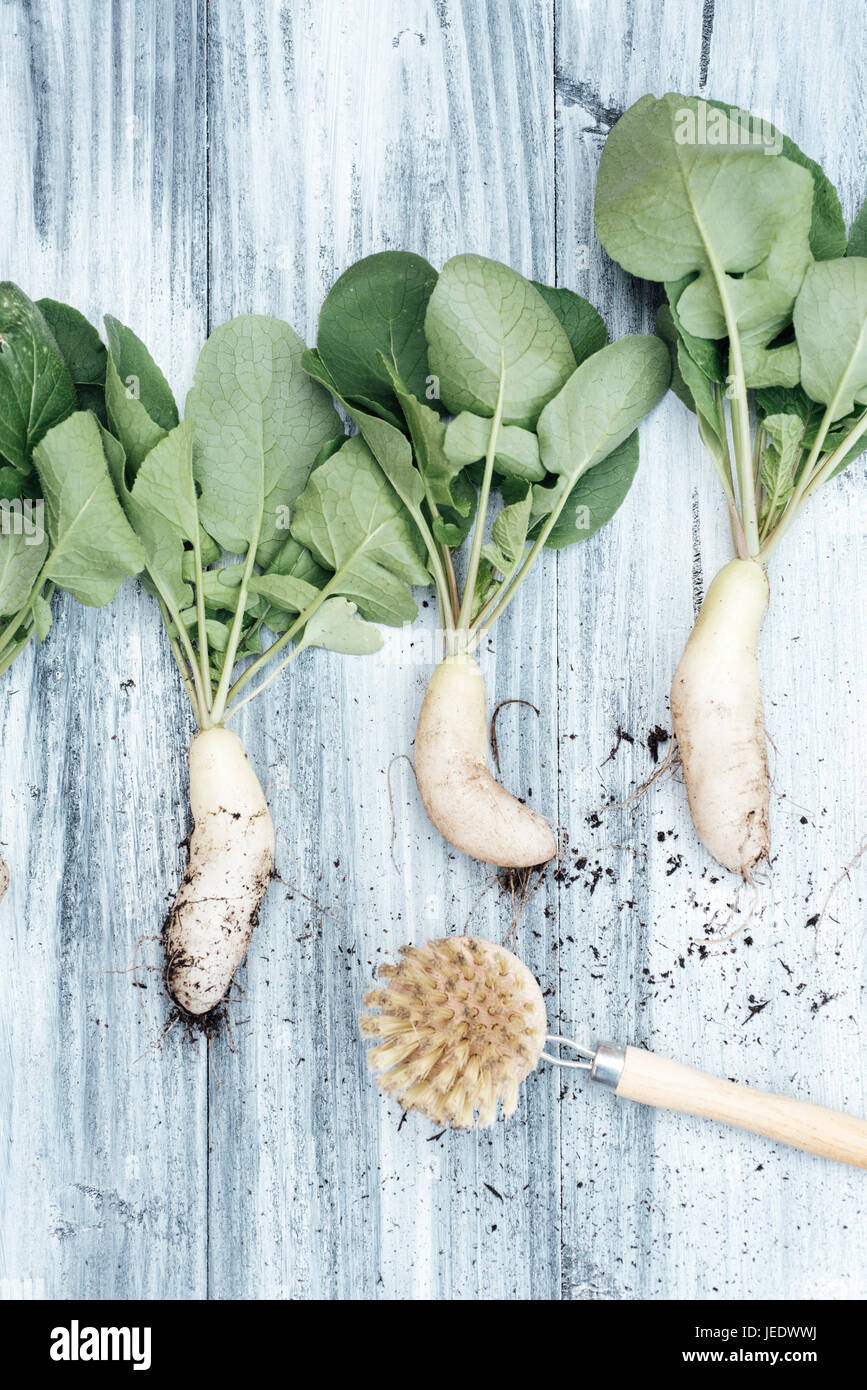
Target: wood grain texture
[(103, 1150), (175, 170)]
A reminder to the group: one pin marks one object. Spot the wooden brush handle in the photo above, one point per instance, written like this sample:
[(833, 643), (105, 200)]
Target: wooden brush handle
[(815, 1129)]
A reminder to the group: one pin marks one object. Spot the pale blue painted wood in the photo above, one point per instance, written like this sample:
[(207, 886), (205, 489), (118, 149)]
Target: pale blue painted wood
[(103, 1150), (171, 176)]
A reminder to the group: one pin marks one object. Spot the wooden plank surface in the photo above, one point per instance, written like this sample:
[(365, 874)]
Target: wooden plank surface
[(103, 1161), (176, 176)]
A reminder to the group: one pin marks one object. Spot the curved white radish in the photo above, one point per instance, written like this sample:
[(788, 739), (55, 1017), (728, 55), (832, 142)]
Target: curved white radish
[(231, 862), (716, 706), (468, 807)]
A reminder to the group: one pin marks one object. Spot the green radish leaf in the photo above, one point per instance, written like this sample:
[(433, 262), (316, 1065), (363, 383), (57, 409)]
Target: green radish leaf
[(485, 325), (93, 547), (292, 559), (164, 484), (221, 587), (329, 447), (451, 530), (336, 627), (827, 228), (517, 456), (259, 425), (41, 617), (139, 404), (389, 446), (286, 593), (831, 328), (601, 404), (14, 484), (80, 345), (666, 331), (443, 484), (485, 586), (689, 382), (779, 457), (850, 456), (36, 390), (668, 206), (158, 509), (857, 245), (139, 371), (127, 418), (353, 523), (782, 400), (218, 633), (779, 366), (584, 325), (593, 500), (377, 307), (20, 563), (509, 536), (707, 355)]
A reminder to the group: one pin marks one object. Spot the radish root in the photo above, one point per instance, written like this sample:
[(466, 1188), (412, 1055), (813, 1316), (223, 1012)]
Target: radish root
[(231, 863), (716, 706), (466, 804)]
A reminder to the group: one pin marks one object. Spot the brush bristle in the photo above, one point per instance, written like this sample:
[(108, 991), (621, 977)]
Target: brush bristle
[(461, 1022)]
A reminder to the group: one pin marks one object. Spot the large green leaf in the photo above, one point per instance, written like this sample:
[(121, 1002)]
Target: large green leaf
[(601, 404), (827, 228), (450, 494), (390, 448), (352, 521), (831, 328), (857, 245), (738, 219), (139, 403), (294, 560), (779, 456), (690, 384), (517, 453), (487, 327), (36, 390), (82, 350), (708, 356), (80, 345), (284, 591), (593, 500), (259, 423), (163, 509), (377, 307), (337, 627), (21, 559), (164, 484), (584, 325), (508, 536), (93, 547)]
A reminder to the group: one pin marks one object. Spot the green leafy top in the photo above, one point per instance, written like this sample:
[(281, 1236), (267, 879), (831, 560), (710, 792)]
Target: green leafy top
[(61, 525), (36, 390), (260, 449), (747, 234), (541, 411)]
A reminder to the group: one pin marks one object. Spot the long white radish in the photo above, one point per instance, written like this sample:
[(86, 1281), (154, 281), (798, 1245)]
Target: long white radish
[(716, 706), (466, 804), (231, 862)]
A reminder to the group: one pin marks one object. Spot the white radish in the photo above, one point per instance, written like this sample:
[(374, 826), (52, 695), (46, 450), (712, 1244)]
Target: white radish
[(231, 862), (466, 804), (716, 706)]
